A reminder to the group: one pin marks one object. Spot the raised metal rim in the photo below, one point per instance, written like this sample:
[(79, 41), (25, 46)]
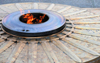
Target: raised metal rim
[(52, 26), (20, 34)]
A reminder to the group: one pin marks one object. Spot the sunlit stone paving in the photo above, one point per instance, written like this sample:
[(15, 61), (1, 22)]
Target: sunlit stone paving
[(78, 43)]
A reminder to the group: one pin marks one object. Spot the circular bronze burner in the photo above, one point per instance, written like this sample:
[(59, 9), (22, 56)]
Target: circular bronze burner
[(17, 24), (34, 18)]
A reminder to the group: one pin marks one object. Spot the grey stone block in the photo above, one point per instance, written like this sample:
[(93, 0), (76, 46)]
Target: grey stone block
[(97, 3), (77, 3)]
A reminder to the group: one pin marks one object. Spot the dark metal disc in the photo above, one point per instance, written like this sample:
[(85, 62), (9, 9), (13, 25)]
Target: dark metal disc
[(12, 24)]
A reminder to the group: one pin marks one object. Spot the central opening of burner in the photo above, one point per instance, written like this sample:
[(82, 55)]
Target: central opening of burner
[(33, 18)]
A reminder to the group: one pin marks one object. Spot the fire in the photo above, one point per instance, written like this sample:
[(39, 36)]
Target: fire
[(31, 19), (21, 11)]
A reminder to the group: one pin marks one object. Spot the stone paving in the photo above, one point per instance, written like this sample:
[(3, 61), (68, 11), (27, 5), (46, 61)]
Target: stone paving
[(77, 3)]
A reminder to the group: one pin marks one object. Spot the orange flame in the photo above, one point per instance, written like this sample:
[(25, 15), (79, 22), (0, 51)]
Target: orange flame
[(28, 11), (41, 18), (21, 11), (30, 18)]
